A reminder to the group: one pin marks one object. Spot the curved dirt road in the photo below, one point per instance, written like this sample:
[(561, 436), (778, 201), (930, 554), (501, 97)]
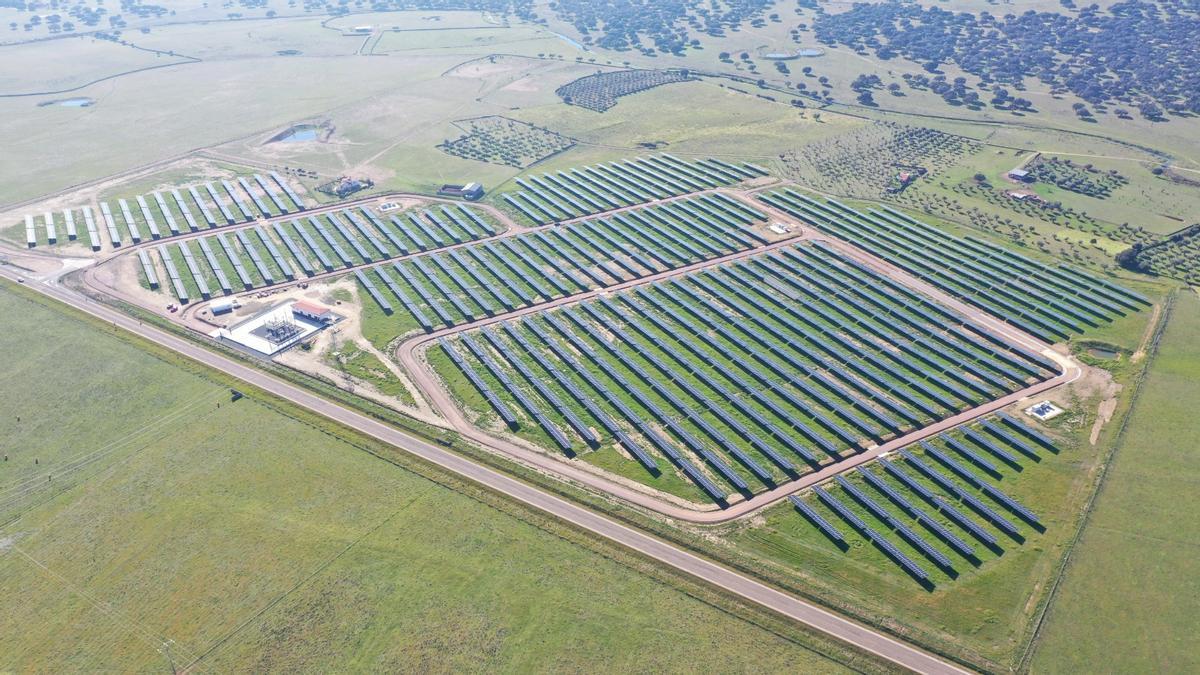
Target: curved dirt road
[(409, 354)]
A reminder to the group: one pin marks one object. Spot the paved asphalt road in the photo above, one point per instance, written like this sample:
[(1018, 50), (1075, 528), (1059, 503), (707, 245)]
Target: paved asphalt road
[(812, 615)]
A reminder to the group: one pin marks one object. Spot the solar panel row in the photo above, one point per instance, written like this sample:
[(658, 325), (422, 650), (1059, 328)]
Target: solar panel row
[(871, 535), (173, 274), (148, 269), (198, 277), (582, 191), (1049, 302)]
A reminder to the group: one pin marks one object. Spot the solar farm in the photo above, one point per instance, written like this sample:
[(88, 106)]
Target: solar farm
[(658, 320), (674, 327), (1050, 302), (285, 249), (106, 226), (490, 278), (934, 508), (745, 375), (741, 334), (684, 345), (582, 191)]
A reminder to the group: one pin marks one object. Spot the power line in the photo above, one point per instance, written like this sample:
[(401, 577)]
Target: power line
[(148, 636), (15, 493)]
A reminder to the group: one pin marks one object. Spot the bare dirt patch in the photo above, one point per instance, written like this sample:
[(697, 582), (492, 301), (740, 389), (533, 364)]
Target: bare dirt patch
[(1093, 384), (1104, 413), (1150, 326), (122, 274), (315, 359)]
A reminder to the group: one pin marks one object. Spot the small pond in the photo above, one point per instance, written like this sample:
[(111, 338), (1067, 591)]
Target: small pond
[(299, 134), (76, 102)]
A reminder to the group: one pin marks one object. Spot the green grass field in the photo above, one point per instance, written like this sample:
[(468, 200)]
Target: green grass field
[(489, 37), (201, 95), (249, 537), (67, 64), (134, 510), (365, 366), (1129, 600)]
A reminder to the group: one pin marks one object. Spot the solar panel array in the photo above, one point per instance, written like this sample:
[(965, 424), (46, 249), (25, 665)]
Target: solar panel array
[(483, 279), (373, 291), (114, 236), (130, 223), (51, 228), (93, 233), (172, 224), (238, 202), (260, 265), (500, 406), (1052, 302), (955, 506), (756, 370), (261, 256), (562, 195), (148, 217), (158, 215), (69, 218), (215, 266)]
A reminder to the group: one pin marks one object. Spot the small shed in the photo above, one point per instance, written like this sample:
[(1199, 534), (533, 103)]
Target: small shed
[(471, 191)]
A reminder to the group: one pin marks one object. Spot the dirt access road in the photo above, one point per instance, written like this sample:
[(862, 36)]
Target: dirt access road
[(410, 355)]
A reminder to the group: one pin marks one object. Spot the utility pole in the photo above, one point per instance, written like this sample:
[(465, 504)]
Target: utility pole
[(165, 650)]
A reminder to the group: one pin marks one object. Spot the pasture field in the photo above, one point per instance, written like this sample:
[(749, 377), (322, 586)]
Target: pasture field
[(399, 151), (62, 65), (55, 420), (138, 127), (178, 176), (249, 537), (688, 119), (1151, 202), (492, 38), (416, 20), (253, 39), (841, 66), (169, 129), (1128, 601)]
